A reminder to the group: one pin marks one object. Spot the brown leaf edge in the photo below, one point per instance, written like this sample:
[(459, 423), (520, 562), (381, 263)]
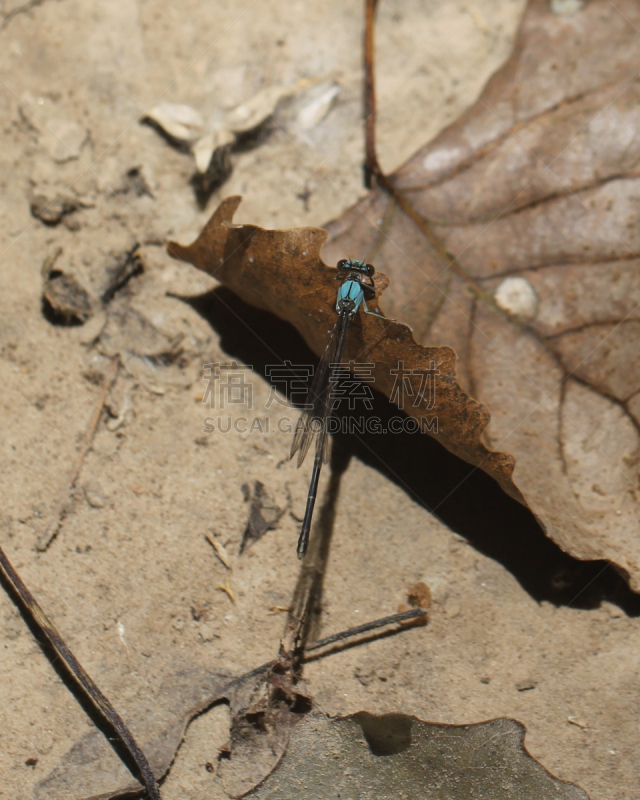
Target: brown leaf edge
[(283, 272)]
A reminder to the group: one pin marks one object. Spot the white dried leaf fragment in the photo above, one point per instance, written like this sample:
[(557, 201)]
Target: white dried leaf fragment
[(258, 109), (314, 106), (205, 147), (179, 121), (518, 297)]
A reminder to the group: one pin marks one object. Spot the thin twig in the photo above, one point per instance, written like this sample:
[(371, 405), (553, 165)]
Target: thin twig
[(371, 166), (393, 619), (82, 679), (61, 509)]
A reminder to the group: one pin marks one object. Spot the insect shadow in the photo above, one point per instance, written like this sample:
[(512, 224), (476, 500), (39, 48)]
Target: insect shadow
[(463, 497)]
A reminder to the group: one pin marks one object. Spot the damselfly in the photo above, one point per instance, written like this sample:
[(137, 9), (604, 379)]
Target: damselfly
[(357, 285)]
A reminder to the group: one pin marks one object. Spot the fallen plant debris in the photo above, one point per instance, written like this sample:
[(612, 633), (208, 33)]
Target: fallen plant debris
[(212, 143), (127, 266), (65, 300), (83, 681), (513, 237), (265, 706), (282, 271), (395, 755), (533, 282), (61, 508), (264, 515)]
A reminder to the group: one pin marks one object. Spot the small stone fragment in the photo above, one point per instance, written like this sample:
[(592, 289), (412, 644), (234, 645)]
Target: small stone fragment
[(64, 139), (94, 494), (65, 301), (526, 685), (52, 209)]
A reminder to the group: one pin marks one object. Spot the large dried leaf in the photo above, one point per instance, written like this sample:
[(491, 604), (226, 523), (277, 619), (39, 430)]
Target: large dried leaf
[(282, 271), (394, 756), (534, 192)]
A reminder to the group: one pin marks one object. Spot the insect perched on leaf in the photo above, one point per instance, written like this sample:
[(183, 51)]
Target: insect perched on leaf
[(357, 285)]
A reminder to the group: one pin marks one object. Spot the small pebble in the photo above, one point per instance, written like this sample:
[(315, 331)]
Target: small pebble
[(94, 494)]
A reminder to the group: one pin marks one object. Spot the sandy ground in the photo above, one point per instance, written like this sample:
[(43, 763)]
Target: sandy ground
[(130, 580)]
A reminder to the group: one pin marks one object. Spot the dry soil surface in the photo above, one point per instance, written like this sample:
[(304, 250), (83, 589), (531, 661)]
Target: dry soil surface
[(130, 580)]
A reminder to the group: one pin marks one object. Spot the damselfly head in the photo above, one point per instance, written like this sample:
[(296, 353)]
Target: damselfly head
[(357, 266)]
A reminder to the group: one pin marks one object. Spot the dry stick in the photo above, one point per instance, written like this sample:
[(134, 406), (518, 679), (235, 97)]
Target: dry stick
[(371, 166), (393, 619), (86, 684), (51, 531)]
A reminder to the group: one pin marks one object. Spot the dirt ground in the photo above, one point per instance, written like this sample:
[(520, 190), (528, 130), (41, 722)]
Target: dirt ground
[(131, 580)]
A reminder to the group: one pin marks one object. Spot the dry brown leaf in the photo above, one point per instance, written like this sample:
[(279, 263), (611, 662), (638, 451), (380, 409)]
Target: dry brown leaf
[(395, 755), (534, 191), (282, 271)]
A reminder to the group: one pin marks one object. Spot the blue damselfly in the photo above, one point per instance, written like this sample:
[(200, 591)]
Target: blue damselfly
[(357, 285)]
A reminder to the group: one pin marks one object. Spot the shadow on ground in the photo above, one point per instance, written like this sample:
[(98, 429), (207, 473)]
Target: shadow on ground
[(463, 497)]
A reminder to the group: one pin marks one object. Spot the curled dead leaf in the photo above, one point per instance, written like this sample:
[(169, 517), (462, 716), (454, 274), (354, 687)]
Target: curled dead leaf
[(282, 271), (178, 121)]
